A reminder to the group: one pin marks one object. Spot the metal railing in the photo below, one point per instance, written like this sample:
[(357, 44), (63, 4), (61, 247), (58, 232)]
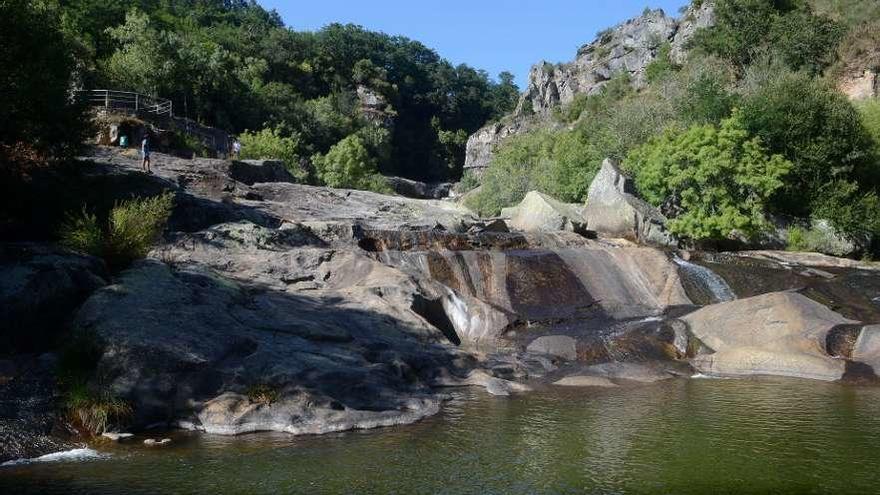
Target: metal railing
[(126, 101)]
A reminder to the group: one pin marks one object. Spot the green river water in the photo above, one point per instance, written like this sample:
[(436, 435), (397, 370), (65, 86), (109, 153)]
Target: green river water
[(676, 437)]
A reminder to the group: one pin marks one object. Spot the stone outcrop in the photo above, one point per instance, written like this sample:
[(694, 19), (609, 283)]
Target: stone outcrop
[(40, 286), (781, 333), (538, 212), (625, 49), (419, 190), (614, 210), (860, 86)]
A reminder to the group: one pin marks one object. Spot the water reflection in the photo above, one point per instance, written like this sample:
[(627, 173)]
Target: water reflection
[(681, 436)]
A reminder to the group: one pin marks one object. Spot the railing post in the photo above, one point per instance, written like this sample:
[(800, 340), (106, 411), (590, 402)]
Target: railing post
[(107, 100), (136, 97)]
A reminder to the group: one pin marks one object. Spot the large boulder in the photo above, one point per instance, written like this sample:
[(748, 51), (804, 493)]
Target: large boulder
[(419, 190), (781, 333), (614, 210), (538, 212), (40, 287), (188, 346), (253, 171)]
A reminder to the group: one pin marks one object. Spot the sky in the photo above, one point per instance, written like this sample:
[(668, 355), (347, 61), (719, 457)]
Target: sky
[(494, 35)]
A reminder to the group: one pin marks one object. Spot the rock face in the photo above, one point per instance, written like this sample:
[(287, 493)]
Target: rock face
[(625, 49), (860, 86), (419, 190), (538, 212), (614, 210), (782, 333), (40, 287)]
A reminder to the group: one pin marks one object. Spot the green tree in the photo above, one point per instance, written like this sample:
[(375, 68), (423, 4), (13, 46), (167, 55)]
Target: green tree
[(719, 177), (814, 127), (272, 144), (35, 81), (348, 164)]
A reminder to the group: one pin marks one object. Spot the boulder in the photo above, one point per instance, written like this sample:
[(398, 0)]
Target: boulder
[(538, 212), (613, 210), (252, 171), (419, 190), (560, 346), (780, 333), (867, 348), (860, 85), (40, 287)]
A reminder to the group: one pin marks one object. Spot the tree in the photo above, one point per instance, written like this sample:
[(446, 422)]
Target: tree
[(719, 177), (348, 164), (814, 127), (35, 81)]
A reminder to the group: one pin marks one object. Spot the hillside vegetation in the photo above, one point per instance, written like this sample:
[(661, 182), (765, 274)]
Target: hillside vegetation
[(751, 127), (234, 65)]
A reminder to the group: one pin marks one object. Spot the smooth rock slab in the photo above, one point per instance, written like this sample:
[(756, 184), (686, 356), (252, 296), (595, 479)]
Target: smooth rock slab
[(585, 381)]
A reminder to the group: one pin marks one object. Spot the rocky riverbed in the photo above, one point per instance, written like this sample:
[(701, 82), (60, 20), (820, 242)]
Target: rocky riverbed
[(276, 306)]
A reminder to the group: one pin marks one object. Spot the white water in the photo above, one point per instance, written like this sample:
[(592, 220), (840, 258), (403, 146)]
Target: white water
[(65, 456), (721, 292)]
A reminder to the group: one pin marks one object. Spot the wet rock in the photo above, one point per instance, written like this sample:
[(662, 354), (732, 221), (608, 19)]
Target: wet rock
[(585, 381), (782, 333), (634, 372), (613, 210), (494, 385), (29, 418), (116, 436), (560, 346), (154, 442), (538, 212)]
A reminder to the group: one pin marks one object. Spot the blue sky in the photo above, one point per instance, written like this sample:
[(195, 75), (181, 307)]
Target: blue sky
[(494, 35)]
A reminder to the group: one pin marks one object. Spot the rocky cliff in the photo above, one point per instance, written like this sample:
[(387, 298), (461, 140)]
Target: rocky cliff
[(626, 49)]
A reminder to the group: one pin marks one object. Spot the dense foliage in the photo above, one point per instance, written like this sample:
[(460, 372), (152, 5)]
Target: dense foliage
[(720, 178), (38, 63), (234, 65)]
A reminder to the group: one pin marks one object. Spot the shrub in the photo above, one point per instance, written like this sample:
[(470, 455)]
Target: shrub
[(132, 228), (787, 27), (662, 65), (262, 394), (469, 181), (272, 144), (814, 127), (719, 177), (348, 164), (94, 412)]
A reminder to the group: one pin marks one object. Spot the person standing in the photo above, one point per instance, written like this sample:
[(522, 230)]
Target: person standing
[(236, 149), (145, 153)]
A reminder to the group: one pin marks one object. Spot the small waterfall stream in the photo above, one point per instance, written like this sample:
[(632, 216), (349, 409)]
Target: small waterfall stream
[(711, 281)]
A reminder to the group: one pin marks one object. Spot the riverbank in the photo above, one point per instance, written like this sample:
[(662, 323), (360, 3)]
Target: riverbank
[(681, 436)]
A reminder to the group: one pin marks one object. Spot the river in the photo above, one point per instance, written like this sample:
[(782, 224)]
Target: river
[(766, 435)]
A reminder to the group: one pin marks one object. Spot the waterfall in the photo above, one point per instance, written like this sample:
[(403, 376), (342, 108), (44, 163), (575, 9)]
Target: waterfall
[(716, 285)]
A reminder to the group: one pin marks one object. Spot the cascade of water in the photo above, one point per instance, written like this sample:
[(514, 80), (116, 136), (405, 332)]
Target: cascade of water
[(716, 285)]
